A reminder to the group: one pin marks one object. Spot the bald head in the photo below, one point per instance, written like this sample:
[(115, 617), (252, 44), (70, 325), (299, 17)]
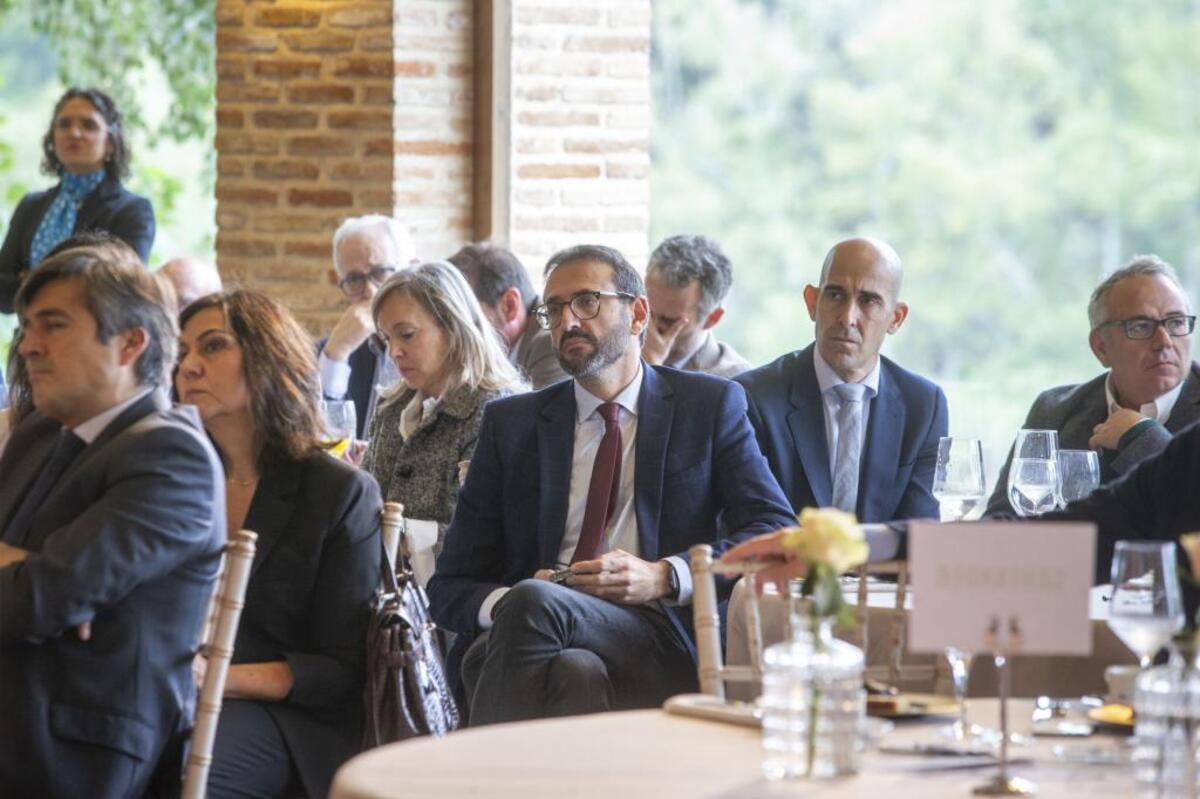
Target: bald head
[(856, 305), (865, 252), (192, 278)]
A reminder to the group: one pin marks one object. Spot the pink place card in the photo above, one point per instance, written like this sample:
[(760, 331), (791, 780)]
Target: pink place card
[(1022, 586)]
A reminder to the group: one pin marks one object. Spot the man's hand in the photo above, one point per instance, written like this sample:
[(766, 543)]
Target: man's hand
[(780, 565), (10, 554), (351, 330), (84, 631), (658, 345), (199, 669), (622, 578), (1108, 433)]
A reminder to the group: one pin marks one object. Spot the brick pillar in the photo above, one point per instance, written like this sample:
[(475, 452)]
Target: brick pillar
[(580, 127)]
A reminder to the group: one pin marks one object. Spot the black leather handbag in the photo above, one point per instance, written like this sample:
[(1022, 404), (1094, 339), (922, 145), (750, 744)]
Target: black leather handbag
[(407, 693)]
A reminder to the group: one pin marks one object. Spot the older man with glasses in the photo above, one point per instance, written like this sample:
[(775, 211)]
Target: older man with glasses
[(1141, 326), (366, 251)]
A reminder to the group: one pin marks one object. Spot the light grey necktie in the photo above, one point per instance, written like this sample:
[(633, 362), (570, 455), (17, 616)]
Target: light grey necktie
[(849, 445)]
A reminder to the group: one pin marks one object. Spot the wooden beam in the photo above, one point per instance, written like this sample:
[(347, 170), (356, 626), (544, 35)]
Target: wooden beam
[(492, 123)]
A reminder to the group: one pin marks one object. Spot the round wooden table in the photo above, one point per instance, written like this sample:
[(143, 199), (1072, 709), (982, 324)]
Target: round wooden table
[(649, 753)]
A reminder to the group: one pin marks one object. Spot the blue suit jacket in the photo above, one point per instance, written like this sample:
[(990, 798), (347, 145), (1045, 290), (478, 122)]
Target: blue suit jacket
[(907, 418), (696, 460)]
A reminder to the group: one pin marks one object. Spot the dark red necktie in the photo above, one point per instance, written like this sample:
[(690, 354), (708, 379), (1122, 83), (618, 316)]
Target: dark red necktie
[(604, 487)]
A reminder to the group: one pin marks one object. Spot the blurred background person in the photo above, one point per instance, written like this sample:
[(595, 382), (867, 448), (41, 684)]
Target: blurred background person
[(451, 363), (502, 286), (293, 700), (191, 278), (366, 251), (86, 148)]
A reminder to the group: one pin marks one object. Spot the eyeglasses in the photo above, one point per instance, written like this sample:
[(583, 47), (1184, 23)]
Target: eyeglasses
[(353, 283), (1141, 328), (585, 305)]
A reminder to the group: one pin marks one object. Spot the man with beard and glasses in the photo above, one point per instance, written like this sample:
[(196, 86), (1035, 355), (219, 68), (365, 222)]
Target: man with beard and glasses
[(565, 568), (840, 424)]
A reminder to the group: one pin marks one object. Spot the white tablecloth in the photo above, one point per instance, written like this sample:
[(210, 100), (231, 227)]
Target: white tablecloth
[(648, 753)]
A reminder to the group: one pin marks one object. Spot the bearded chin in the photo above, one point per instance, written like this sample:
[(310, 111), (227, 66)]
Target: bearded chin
[(608, 351)]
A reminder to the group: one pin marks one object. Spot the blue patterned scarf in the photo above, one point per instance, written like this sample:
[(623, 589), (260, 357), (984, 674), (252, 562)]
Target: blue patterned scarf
[(59, 221)]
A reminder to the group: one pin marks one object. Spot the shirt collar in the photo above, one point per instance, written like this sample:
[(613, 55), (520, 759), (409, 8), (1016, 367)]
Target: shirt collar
[(1158, 409), (827, 378), (586, 402), (90, 430)]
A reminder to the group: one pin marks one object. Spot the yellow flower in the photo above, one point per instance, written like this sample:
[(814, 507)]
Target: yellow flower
[(827, 536)]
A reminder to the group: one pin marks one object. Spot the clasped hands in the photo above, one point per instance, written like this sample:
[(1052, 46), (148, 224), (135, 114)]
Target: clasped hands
[(618, 577)]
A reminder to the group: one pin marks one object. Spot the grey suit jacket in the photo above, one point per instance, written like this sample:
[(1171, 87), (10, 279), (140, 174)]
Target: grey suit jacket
[(129, 539), (1075, 410), (534, 356), (717, 358)]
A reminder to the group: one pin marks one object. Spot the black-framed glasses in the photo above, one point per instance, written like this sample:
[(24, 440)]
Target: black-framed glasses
[(1141, 328), (353, 283), (585, 305)]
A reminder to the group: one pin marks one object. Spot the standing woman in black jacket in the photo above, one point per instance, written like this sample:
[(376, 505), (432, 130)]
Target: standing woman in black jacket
[(86, 148)]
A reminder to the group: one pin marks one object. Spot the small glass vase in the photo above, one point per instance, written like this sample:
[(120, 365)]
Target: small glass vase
[(1166, 742), (813, 701)]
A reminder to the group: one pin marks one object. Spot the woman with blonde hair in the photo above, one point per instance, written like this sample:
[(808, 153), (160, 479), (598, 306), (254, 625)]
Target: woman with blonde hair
[(451, 364)]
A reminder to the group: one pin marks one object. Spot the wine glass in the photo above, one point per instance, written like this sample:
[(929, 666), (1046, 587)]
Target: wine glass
[(1146, 608), (1078, 474), (1033, 475), (958, 482), (340, 425)]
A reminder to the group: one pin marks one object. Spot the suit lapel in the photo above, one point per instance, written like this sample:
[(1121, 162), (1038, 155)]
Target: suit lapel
[(655, 411), (877, 475), (807, 424), (19, 474), (556, 447), (1187, 407), (271, 510), (98, 199)]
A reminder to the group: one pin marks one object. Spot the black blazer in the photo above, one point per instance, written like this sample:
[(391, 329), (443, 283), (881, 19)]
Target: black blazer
[(110, 207), (307, 602), (129, 538)]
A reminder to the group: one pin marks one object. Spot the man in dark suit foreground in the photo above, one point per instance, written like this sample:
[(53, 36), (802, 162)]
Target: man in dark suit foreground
[(564, 562), (111, 520), (840, 424), (1141, 330)]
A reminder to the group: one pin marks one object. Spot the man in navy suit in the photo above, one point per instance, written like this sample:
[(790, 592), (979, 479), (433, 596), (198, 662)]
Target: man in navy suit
[(840, 424), (112, 517), (566, 560)]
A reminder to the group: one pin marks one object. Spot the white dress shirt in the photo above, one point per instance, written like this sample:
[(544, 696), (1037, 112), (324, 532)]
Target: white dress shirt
[(826, 380), (1158, 409), (90, 430)]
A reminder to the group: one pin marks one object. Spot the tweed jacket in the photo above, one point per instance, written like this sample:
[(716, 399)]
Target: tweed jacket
[(423, 471)]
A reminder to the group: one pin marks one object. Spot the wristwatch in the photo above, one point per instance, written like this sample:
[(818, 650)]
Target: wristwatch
[(672, 581)]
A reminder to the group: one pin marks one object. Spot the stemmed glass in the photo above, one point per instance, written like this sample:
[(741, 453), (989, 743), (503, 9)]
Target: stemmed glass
[(340, 425), (960, 487), (1078, 474), (1033, 475), (1146, 609)]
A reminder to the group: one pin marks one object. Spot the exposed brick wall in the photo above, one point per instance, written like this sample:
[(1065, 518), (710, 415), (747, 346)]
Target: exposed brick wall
[(332, 109), (581, 126)]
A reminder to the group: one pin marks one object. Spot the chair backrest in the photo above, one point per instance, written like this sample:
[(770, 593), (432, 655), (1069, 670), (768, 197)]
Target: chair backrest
[(392, 522), (887, 665), (711, 671), (218, 643)]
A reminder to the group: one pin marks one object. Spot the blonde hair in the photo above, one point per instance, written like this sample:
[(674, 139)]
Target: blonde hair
[(476, 359)]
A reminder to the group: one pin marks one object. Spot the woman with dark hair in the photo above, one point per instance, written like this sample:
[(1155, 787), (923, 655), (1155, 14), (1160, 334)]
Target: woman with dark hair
[(292, 711), (86, 149)]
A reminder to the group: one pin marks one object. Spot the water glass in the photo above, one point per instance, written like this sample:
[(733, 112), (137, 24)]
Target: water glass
[(1146, 609), (1078, 474), (1033, 474), (958, 482), (340, 424)]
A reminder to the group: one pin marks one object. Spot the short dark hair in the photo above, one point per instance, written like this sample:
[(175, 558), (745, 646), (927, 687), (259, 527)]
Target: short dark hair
[(682, 259), (279, 365), (120, 295), (117, 165), (492, 270), (625, 277)]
